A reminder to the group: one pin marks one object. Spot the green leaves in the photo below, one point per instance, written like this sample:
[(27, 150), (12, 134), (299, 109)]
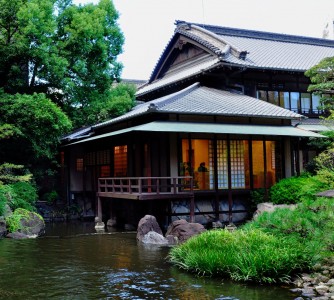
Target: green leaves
[(322, 81), (68, 52), (39, 121)]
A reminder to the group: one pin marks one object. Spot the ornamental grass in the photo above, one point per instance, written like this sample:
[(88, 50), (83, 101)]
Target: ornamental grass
[(270, 249), (243, 255)]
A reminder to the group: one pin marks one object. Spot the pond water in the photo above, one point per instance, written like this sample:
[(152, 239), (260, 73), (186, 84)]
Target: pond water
[(72, 261)]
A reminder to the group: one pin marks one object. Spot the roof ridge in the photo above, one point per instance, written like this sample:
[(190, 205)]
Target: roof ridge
[(194, 32), (298, 39)]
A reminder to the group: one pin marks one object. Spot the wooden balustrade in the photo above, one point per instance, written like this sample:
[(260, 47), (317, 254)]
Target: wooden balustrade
[(143, 188), (146, 188)]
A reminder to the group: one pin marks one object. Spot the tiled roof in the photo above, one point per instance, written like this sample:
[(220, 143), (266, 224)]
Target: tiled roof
[(79, 133), (187, 72), (273, 50), (244, 48), (197, 99)]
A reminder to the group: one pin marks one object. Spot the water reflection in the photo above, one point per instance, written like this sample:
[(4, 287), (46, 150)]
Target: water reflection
[(73, 262)]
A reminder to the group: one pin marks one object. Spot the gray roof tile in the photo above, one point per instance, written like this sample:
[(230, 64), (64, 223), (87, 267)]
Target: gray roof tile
[(254, 49), (197, 99)]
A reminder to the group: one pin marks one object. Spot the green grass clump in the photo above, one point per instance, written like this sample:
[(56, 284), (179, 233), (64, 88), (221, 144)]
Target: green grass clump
[(269, 249), (243, 255)]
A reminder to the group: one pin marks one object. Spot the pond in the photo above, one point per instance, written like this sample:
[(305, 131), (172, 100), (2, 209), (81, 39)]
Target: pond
[(72, 261)]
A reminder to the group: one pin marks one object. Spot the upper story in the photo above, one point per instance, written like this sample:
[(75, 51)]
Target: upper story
[(264, 65)]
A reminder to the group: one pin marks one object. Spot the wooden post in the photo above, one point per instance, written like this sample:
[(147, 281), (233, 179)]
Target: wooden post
[(192, 209), (99, 208)]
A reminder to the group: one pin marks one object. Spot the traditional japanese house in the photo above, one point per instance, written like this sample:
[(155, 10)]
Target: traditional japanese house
[(220, 116)]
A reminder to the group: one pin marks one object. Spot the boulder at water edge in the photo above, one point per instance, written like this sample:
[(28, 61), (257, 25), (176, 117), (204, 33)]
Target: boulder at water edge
[(147, 224), (29, 224), (154, 238), (184, 230)]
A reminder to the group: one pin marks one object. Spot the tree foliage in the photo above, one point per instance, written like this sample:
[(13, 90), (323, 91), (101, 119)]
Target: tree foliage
[(115, 102), (322, 81), (38, 124), (68, 52)]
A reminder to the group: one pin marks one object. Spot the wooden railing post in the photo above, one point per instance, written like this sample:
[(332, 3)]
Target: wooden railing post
[(158, 186), (140, 185)]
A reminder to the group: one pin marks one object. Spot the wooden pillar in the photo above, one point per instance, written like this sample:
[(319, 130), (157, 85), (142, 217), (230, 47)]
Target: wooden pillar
[(192, 209), (229, 176), (99, 208)]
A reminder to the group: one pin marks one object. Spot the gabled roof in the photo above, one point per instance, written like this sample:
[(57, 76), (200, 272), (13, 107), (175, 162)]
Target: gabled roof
[(240, 48), (197, 99)]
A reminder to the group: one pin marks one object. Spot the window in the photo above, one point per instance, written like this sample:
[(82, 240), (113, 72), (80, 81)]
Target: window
[(285, 100), (316, 106), (261, 177), (120, 161), (258, 164), (305, 100), (222, 170), (262, 95), (104, 171), (79, 165), (294, 98), (273, 97), (197, 161)]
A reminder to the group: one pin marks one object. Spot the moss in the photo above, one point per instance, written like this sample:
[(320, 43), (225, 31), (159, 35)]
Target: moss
[(14, 221)]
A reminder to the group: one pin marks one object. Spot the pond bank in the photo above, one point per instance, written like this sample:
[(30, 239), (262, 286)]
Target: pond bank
[(318, 285)]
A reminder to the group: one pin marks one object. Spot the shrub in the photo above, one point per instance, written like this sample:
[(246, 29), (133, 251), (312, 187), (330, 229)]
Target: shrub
[(292, 190), (257, 196), (18, 195), (243, 255), (25, 196), (311, 222), (325, 160), (50, 197)]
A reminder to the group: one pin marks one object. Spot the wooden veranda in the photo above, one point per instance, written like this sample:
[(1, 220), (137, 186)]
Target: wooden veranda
[(146, 188)]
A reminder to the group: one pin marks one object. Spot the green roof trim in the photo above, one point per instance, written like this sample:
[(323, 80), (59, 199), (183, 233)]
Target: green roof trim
[(192, 127)]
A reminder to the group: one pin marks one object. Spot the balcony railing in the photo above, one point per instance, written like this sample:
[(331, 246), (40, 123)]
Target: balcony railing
[(144, 188)]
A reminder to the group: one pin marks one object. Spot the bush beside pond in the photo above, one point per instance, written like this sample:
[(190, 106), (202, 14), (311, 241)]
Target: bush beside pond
[(270, 249)]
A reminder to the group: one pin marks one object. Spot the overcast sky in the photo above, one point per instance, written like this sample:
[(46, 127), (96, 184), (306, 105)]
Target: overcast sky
[(148, 25)]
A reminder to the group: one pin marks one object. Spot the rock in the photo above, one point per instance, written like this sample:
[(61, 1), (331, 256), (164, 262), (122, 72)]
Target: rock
[(111, 222), (147, 224), (155, 238), (322, 289), (8, 211), (3, 228), (17, 235), (172, 240), (296, 290), (184, 230), (270, 207), (99, 225), (330, 281), (230, 227), (217, 224), (31, 224)]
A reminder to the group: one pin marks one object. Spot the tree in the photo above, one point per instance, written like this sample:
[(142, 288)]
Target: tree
[(38, 124), (68, 52), (118, 101), (30, 128), (322, 81)]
